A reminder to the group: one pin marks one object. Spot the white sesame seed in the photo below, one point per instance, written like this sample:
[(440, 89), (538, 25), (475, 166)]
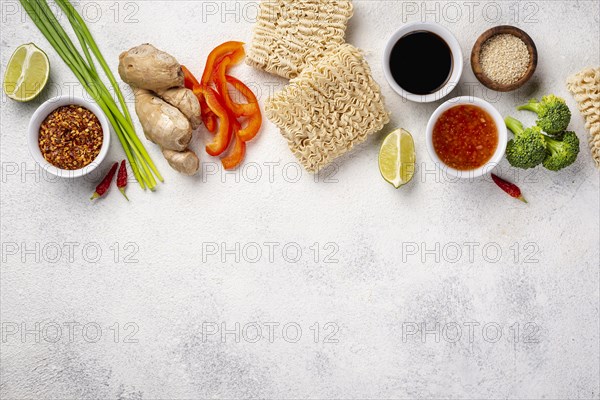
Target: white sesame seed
[(504, 58)]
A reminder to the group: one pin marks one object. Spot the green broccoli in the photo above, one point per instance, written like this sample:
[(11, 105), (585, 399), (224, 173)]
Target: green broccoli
[(553, 113), (528, 148), (562, 152)]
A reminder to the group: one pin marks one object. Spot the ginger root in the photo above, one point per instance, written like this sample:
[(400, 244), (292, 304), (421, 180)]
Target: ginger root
[(186, 101), (185, 162), (163, 124), (148, 68), (167, 111)]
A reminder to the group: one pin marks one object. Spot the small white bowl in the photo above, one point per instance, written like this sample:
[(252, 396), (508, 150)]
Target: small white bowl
[(457, 61), (502, 137), (40, 115)]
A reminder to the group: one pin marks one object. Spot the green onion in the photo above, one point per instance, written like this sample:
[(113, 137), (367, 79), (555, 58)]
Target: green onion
[(85, 70)]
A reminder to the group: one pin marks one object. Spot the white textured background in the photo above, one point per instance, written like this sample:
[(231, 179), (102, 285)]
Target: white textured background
[(373, 291)]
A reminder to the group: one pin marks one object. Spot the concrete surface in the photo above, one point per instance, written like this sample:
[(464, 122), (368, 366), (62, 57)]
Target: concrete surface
[(270, 283)]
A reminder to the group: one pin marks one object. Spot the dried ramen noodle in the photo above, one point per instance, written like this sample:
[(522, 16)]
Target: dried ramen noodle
[(585, 88), (328, 108), (291, 34)]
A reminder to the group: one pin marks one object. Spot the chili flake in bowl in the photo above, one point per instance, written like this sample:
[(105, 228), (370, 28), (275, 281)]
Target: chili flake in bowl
[(69, 136), (466, 137)]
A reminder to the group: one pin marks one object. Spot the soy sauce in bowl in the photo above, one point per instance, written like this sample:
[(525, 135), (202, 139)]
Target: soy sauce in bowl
[(421, 62)]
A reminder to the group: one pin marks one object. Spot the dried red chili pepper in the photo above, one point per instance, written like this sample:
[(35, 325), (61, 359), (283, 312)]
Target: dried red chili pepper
[(103, 186), (510, 188), (122, 178)]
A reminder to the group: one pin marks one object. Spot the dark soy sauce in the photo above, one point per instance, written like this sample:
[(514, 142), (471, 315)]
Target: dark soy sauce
[(421, 62)]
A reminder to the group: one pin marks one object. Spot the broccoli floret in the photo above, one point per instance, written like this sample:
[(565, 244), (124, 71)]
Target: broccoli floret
[(553, 113), (562, 151), (528, 148)]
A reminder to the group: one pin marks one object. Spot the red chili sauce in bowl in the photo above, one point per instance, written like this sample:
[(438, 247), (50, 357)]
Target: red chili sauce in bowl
[(465, 137)]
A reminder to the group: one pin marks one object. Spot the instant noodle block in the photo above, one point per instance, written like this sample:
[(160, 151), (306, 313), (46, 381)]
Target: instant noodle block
[(330, 107), (291, 34), (585, 88)]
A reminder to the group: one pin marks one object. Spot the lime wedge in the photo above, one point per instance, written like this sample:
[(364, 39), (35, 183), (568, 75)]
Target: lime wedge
[(26, 73), (397, 158)]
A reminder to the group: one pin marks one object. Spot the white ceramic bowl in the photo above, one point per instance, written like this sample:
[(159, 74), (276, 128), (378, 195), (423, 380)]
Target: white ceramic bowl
[(34, 129), (457, 61), (502, 137)]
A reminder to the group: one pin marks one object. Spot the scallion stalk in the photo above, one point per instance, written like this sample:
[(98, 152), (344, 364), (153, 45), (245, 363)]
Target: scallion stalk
[(85, 70)]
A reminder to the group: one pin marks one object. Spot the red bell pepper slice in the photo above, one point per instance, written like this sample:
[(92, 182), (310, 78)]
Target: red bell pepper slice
[(189, 80), (220, 79), (255, 120), (208, 117), (251, 106), (215, 57), (252, 128), (223, 136), (237, 153), (235, 57)]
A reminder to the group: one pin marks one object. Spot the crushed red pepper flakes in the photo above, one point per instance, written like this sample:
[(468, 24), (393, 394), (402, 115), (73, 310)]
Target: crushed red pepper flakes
[(70, 137)]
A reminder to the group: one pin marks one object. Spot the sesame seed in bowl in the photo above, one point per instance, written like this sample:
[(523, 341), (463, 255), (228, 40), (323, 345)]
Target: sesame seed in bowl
[(504, 58)]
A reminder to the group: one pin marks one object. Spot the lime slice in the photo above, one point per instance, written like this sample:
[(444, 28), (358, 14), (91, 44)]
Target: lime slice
[(26, 73), (397, 158)]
